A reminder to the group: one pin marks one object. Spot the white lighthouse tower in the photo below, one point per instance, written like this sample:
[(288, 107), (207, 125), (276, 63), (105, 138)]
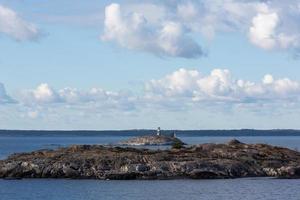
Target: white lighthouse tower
[(158, 131)]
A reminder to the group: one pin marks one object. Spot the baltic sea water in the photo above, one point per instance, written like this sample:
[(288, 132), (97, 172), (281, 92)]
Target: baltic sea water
[(54, 189)]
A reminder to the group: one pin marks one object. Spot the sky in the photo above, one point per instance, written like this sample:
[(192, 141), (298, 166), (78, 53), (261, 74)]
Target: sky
[(101, 64)]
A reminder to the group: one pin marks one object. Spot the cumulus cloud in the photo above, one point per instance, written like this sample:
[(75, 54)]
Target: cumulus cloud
[(271, 29), (175, 90), (135, 31), (12, 25), (220, 86), (270, 25), (179, 83), (262, 31), (4, 97), (45, 95), (182, 91)]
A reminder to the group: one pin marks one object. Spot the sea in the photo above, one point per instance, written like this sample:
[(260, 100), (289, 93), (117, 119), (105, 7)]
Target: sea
[(67, 189)]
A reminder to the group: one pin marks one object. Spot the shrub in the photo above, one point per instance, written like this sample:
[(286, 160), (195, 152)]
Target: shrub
[(177, 145)]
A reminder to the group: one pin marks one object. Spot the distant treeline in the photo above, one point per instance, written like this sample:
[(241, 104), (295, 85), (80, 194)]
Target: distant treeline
[(241, 132)]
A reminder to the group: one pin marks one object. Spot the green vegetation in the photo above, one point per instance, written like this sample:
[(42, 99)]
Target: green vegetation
[(177, 145)]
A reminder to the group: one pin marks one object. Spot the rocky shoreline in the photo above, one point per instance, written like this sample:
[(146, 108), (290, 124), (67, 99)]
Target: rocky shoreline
[(205, 161)]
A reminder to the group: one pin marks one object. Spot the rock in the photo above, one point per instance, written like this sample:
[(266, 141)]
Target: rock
[(206, 174), (205, 161), (152, 140), (234, 142), (141, 168)]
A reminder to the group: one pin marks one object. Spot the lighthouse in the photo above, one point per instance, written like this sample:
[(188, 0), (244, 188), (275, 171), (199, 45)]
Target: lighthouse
[(158, 131), (174, 134)]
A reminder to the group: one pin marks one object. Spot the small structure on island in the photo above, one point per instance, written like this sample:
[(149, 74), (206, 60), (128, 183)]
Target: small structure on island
[(158, 131), (173, 134), (153, 139)]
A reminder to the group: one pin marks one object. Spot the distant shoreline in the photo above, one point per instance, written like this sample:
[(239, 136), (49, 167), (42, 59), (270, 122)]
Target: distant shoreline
[(139, 132)]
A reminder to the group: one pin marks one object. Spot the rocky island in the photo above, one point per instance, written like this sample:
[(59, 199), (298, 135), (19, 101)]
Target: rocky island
[(231, 160), (152, 140)]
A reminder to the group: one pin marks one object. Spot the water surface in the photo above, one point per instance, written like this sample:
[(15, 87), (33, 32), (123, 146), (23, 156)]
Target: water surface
[(55, 189), (236, 189)]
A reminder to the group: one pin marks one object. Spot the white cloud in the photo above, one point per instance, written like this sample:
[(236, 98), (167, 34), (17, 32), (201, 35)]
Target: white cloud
[(273, 29), (4, 97), (178, 96), (44, 95), (268, 79), (180, 82), (13, 25), (270, 25), (262, 32), (134, 31), (220, 86), (181, 89)]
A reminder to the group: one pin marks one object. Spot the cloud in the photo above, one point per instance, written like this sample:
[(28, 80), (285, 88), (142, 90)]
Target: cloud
[(4, 97), (134, 31), (270, 25), (45, 95), (220, 86), (12, 25), (179, 83), (262, 30), (180, 89), (185, 97), (270, 30)]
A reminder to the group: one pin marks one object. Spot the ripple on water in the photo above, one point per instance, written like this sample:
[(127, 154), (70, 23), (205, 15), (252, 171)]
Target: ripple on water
[(235, 189)]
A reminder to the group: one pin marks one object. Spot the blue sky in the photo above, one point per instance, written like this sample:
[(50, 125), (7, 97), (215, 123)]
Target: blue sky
[(116, 65)]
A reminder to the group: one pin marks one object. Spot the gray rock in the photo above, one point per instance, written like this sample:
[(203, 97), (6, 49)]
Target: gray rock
[(152, 140)]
